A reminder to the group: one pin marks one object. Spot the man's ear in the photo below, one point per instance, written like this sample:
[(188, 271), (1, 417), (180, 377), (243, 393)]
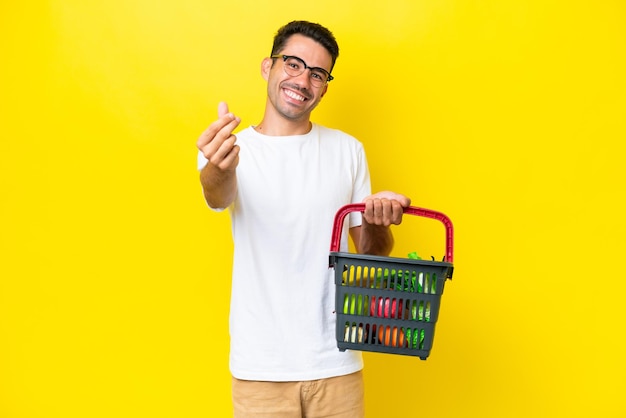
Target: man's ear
[(266, 66), (325, 90)]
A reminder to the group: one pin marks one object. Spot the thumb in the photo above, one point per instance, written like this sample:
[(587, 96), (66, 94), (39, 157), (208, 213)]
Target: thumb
[(222, 109)]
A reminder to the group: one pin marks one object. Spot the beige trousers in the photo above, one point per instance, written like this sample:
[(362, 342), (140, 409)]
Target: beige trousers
[(337, 397)]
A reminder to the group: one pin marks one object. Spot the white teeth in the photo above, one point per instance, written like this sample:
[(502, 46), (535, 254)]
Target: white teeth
[(294, 95)]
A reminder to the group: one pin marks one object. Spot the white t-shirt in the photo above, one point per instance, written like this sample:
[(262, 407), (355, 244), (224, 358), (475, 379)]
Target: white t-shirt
[(282, 321)]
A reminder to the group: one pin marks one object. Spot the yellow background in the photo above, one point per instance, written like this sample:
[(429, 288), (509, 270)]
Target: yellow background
[(508, 116)]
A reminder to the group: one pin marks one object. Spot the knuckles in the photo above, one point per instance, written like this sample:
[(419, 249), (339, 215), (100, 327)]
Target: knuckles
[(383, 212)]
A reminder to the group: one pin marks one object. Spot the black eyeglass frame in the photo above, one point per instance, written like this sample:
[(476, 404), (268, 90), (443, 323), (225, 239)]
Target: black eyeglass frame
[(286, 57)]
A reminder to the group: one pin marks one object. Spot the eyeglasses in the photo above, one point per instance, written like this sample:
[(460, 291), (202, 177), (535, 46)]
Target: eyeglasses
[(294, 66)]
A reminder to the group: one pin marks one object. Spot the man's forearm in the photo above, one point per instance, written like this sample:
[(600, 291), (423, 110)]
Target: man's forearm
[(219, 187), (375, 240)]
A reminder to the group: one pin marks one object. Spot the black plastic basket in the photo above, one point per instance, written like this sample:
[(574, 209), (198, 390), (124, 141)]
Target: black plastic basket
[(388, 304)]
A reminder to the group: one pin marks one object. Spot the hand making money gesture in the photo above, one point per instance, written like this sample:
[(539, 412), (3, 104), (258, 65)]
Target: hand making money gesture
[(217, 142)]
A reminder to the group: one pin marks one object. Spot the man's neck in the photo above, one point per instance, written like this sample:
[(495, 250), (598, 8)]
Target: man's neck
[(279, 126)]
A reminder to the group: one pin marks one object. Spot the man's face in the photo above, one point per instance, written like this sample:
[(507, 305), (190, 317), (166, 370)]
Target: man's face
[(294, 97)]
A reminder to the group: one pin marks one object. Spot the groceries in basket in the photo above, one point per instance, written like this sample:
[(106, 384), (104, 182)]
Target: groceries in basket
[(409, 281), (353, 304), (355, 334), (387, 307), (388, 304)]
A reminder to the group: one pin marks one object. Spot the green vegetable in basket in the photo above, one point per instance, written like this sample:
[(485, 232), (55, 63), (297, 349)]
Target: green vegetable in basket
[(423, 283), (420, 312), (411, 284), (415, 338), (353, 304), (417, 283), (413, 256)]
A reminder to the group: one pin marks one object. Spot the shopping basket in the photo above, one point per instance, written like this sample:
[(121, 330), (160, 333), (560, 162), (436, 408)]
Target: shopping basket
[(388, 304)]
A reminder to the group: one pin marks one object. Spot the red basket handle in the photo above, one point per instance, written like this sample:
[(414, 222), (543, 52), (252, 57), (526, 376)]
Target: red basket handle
[(411, 210)]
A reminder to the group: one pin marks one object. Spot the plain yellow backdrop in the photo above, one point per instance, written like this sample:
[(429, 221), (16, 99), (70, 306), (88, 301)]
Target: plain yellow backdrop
[(508, 116)]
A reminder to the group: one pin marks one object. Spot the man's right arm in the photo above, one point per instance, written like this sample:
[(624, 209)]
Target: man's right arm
[(219, 187), (217, 144)]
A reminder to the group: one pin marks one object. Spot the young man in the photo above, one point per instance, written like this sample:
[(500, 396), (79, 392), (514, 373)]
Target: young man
[(283, 180)]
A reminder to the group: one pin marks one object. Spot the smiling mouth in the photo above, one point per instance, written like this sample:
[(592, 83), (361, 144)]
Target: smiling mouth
[(294, 95)]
